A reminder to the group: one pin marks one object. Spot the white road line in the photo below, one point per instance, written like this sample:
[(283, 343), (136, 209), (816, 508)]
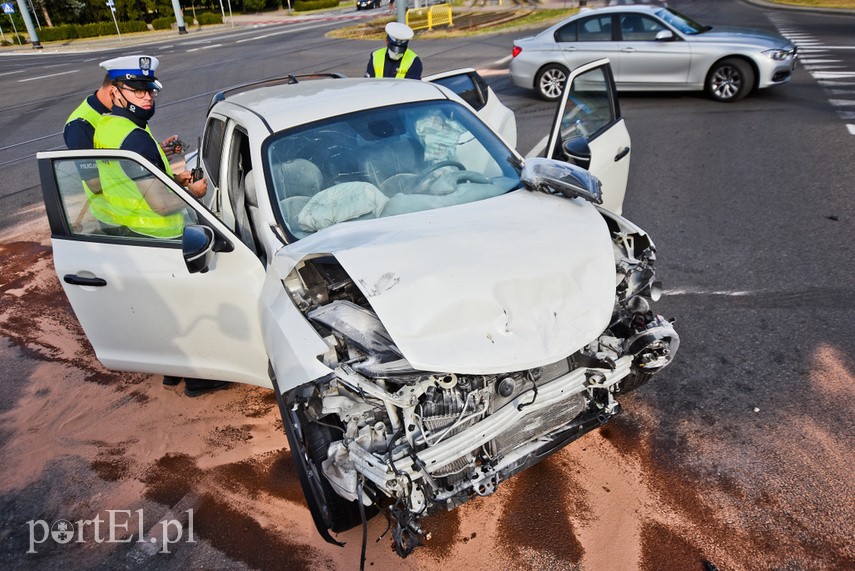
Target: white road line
[(847, 115), (205, 47), (819, 61), (825, 82), (694, 291), (289, 31), (833, 74), (850, 91), (11, 72), (504, 60), (842, 102), (851, 129), (536, 150), (812, 67), (47, 76)]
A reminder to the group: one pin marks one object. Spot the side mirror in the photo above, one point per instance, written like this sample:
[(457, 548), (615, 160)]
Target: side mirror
[(197, 247), (577, 151), (556, 177), (664, 36)]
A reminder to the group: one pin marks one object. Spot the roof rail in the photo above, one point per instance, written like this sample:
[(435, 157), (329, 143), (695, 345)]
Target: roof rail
[(289, 79)]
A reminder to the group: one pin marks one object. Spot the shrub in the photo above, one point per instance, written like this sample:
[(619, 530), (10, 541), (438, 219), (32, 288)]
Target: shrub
[(207, 18), (253, 5), (304, 5), (162, 23), (59, 33), (130, 26)]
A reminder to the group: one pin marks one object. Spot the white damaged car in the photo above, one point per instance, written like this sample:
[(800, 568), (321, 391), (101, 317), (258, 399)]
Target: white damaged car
[(434, 313)]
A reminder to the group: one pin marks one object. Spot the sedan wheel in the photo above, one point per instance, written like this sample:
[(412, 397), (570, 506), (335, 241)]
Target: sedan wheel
[(550, 81), (730, 80)]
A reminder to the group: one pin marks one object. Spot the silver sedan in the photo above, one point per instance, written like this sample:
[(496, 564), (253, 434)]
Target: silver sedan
[(654, 49)]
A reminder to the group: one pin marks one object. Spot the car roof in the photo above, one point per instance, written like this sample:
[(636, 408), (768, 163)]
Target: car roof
[(646, 8), (282, 105)]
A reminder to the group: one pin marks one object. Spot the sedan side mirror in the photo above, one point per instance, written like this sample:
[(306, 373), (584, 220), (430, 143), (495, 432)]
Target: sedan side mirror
[(197, 247), (577, 151), (556, 177), (664, 36)]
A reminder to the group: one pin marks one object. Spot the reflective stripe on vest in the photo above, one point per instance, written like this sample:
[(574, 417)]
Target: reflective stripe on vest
[(379, 59), (127, 206)]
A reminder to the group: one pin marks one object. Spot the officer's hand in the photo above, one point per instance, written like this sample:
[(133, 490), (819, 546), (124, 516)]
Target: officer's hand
[(170, 148), (198, 188), (183, 178)]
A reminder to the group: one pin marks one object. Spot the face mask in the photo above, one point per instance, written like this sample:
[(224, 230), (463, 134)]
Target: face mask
[(395, 49), (140, 113)]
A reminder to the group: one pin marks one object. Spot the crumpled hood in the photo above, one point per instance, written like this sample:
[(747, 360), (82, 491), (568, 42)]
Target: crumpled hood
[(504, 284), (743, 36)]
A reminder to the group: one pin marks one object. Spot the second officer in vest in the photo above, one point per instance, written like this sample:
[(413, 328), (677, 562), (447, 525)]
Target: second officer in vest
[(396, 59), (135, 203)]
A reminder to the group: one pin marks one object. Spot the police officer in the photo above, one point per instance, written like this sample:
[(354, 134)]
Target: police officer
[(144, 209), (80, 125), (158, 213), (395, 60), (78, 134)]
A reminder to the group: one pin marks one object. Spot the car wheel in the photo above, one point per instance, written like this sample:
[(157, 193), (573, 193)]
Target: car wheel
[(309, 442), (549, 81), (632, 381), (730, 80)]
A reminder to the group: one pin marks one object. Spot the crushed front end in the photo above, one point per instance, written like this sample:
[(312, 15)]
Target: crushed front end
[(378, 432)]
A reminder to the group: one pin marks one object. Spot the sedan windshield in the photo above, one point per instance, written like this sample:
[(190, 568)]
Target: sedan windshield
[(383, 162), (683, 23)]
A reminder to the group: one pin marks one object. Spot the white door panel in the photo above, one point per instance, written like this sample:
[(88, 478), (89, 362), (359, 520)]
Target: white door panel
[(589, 131), (134, 296), (613, 174)]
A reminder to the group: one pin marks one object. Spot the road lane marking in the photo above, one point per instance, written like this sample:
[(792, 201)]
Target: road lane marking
[(11, 72), (833, 74), (47, 76), (288, 31), (851, 129), (842, 102), (205, 47)]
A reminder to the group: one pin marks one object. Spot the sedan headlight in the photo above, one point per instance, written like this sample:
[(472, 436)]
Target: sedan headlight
[(778, 55)]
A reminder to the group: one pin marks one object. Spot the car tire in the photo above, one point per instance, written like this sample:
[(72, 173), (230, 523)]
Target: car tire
[(632, 381), (309, 442), (549, 81), (730, 80)]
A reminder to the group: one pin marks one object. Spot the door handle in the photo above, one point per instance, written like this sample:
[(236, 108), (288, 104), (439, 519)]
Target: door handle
[(621, 154), (627, 50), (81, 281)]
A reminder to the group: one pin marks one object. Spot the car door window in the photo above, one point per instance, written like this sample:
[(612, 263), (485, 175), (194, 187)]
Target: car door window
[(126, 202), (566, 33), (467, 87), (595, 29), (212, 148), (590, 109), (635, 27)]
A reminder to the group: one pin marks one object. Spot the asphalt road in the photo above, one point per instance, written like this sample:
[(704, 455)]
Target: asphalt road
[(750, 205)]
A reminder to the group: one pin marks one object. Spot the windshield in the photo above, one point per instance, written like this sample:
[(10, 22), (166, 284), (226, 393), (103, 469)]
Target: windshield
[(682, 23), (384, 162)]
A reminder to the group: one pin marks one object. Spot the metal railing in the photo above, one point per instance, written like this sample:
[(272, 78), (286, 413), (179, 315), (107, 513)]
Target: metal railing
[(427, 18)]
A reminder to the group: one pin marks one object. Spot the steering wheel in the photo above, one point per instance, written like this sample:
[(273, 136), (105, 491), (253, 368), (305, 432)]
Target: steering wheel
[(425, 182)]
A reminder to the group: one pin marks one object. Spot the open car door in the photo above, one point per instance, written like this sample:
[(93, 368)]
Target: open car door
[(471, 87), (589, 131), (184, 306)]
